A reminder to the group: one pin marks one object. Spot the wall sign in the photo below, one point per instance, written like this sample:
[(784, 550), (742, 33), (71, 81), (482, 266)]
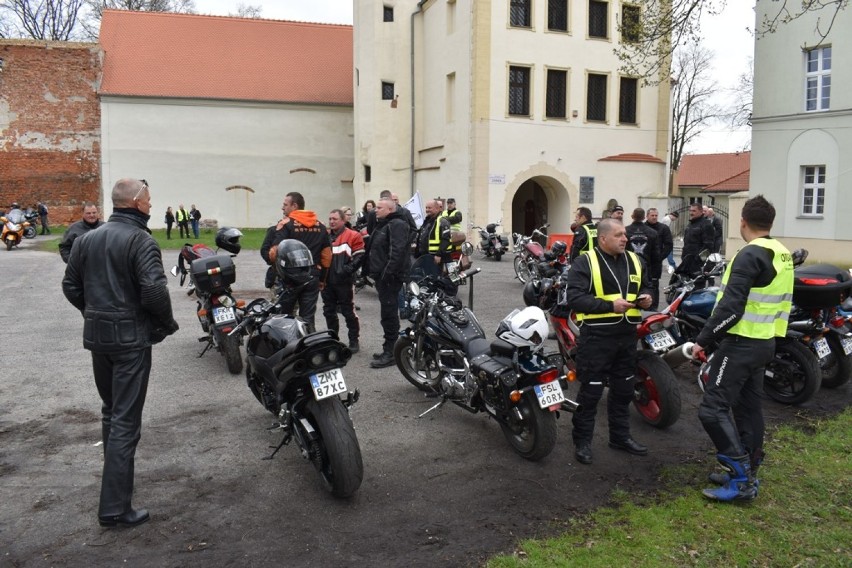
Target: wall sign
[(587, 189)]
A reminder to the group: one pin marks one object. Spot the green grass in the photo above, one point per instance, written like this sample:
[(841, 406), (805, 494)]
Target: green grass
[(251, 239), (802, 517)]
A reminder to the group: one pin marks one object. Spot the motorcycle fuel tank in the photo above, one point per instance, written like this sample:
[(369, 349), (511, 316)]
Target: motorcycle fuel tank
[(274, 335), (701, 302)]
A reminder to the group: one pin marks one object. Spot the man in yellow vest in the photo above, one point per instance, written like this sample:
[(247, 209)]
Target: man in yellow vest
[(607, 287), (752, 309), (434, 236), (585, 233)]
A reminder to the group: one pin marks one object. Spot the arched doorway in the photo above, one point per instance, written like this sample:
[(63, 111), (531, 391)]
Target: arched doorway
[(529, 208)]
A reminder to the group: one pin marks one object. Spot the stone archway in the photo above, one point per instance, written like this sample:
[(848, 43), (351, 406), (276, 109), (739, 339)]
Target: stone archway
[(539, 195)]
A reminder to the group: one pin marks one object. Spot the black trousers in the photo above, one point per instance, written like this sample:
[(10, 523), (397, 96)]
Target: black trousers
[(736, 385), (307, 300), (169, 230), (342, 296), (605, 357), (388, 290), (122, 381), (183, 227)]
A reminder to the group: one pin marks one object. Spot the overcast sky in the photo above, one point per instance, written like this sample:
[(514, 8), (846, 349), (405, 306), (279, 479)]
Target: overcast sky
[(726, 35)]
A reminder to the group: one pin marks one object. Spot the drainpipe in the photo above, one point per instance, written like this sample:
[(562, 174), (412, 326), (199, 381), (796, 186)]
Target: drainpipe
[(411, 64)]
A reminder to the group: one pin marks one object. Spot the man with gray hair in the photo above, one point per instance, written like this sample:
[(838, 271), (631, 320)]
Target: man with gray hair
[(115, 278)]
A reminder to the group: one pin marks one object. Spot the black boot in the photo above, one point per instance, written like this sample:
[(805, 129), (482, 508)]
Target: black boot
[(386, 360)]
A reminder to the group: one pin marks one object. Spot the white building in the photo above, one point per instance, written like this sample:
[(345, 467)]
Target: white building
[(516, 108), (802, 131)]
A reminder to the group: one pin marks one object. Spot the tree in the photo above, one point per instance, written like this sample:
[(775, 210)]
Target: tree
[(40, 19), (247, 11), (738, 114), (92, 23)]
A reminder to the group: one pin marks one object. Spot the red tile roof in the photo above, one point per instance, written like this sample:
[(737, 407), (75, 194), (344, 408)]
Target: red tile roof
[(700, 170), (737, 182), (632, 158), (156, 54)]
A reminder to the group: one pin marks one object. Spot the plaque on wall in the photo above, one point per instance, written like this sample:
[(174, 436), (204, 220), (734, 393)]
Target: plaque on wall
[(587, 189)]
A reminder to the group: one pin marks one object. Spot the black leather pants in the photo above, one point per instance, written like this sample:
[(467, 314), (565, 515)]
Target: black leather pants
[(342, 296), (122, 381)]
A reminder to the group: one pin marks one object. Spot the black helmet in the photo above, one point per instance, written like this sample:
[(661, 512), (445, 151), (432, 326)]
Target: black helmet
[(293, 262), (228, 238), (547, 294), (531, 292), (558, 248)]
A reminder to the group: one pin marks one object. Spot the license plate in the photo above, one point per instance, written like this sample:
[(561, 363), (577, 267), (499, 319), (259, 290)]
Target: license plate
[(329, 383), (223, 315), (822, 348), (452, 267), (847, 345), (549, 394), (660, 340)]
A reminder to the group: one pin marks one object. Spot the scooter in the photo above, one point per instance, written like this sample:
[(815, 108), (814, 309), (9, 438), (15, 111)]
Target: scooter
[(491, 244)]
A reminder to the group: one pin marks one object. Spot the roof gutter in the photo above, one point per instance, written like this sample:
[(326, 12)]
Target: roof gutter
[(411, 63)]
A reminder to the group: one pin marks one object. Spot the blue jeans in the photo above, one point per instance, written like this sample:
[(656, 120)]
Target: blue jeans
[(195, 227)]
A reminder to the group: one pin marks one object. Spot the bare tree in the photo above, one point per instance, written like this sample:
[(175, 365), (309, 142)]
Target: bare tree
[(92, 23), (692, 90), (738, 113), (40, 19), (247, 11)]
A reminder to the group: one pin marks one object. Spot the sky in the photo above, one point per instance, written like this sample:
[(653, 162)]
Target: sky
[(727, 35)]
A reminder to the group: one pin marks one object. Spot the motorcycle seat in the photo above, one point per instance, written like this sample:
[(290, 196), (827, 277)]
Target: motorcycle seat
[(477, 347), (500, 347)]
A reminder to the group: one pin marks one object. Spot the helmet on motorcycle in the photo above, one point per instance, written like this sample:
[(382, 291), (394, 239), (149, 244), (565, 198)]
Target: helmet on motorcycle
[(547, 295), (293, 262), (532, 290), (14, 205), (228, 238), (558, 248), (524, 328)]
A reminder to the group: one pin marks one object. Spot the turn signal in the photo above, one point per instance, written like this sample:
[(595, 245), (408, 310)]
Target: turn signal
[(241, 303), (202, 313), (515, 396), (571, 375)]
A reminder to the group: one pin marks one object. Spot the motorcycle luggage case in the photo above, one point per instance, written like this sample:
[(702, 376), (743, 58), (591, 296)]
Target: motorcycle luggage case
[(213, 274), (820, 286)]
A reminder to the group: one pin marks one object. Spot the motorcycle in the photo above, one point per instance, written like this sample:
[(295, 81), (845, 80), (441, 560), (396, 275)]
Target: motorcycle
[(445, 353), (528, 253), (31, 217), (14, 226), (298, 377), (490, 243), (211, 275)]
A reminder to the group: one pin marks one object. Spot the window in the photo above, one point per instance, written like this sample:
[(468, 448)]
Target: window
[(388, 14), (598, 16), (387, 91), (627, 95), (451, 17), (449, 105), (557, 90), (817, 79), (368, 173), (520, 13), (557, 15), (596, 98), (631, 23), (813, 190), (519, 91)]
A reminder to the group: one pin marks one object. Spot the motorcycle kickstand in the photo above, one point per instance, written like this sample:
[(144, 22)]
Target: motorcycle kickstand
[(443, 401), (206, 347), (284, 441)]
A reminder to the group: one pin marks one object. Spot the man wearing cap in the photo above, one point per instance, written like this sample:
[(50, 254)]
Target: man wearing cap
[(617, 213)]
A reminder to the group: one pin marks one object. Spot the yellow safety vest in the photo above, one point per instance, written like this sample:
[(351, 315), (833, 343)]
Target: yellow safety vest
[(453, 226), (591, 238), (633, 315), (435, 237), (767, 309)]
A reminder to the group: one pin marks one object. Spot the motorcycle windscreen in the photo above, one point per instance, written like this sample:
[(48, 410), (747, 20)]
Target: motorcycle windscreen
[(424, 267)]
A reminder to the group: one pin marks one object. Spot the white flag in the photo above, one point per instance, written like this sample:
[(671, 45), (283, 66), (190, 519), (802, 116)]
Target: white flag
[(415, 206)]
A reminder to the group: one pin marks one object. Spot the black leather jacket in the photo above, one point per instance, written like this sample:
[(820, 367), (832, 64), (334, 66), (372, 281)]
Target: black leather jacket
[(115, 278)]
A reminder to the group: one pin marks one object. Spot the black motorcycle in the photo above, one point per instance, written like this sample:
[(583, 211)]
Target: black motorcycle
[(490, 243), (444, 353), (30, 231)]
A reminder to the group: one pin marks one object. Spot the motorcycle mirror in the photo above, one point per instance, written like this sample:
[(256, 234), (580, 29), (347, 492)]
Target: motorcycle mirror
[(466, 249), (799, 256), (174, 270), (715, 257)]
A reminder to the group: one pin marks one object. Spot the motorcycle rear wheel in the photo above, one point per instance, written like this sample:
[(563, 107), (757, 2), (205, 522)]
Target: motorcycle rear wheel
[(793, 375), (656, 395), (534, 437), (427, 379), (522, 271), (230, 345), (30, 232), (498, 256), (337, 456), (837, 366)]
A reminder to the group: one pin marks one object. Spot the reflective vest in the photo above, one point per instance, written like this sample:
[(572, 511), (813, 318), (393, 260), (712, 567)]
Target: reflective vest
[(591, 238), (767, 309), (435, 237), (605, 287), (453, 226)]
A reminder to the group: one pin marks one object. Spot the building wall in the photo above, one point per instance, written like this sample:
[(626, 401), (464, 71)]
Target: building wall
[(197, 152), (50, 124)]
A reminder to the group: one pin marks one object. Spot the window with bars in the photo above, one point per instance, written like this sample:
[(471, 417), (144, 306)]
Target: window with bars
[(368, 173), (818, 79), (388, 14), (627, 97), (596, 98), (631, 23), (387, 91), (557, 15), (519, 91), (813, 190), (520, 13), (598, 17), (557, 93)]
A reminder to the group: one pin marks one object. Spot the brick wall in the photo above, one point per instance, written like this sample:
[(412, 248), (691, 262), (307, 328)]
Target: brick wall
[(50, 126)]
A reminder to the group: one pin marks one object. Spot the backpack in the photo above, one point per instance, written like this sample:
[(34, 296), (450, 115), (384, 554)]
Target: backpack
[(638, 242)]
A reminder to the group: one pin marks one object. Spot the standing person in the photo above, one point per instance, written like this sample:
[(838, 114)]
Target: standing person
[(170, 221), (182, 218), (115, 278), (717, 228), (89, 221), (697, 236), (607, 287), (42, 215), (434, 235), (390, 261), (667, 221), (617, 213), (347, 248), (347, 216), (268, 251), (666, 245), (751, 310), (303, 226), (585, 233), (361, 218), (454, 216), (194, 218), (643, 240)]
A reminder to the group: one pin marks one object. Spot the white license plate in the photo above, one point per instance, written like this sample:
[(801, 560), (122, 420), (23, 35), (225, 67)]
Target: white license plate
[(660, 340), (549, 394), (847, 344), (822, 348), (329, 383), (452, 267), (223, 315)]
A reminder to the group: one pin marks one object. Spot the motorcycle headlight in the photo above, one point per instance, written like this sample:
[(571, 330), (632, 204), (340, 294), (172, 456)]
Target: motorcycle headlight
[(14, 227)]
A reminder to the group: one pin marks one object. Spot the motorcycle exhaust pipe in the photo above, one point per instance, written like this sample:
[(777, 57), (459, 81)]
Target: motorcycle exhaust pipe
[(679, 355), (569, 405)]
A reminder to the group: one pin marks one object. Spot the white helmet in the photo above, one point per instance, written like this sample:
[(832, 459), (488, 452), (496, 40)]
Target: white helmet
[(524, 328)]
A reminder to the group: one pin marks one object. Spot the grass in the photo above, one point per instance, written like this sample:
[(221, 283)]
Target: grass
[(802, 517), (251, 239)]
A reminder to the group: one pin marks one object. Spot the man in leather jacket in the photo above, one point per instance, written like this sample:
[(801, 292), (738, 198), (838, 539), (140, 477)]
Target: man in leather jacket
[(115, 278), (89, 221), (697, 236)]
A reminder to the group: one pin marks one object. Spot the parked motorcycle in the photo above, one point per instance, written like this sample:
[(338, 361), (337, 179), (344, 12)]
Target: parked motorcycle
[(528, 253), (445, 353), (298, 377), (14, 226), (490, 243), (211, 276), (31, 217)]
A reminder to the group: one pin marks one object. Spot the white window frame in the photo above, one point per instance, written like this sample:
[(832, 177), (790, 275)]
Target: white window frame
[(815, 189), (818, 79)]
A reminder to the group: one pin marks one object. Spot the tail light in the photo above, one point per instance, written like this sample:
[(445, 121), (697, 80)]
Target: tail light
[(837, 321), (548, 376)]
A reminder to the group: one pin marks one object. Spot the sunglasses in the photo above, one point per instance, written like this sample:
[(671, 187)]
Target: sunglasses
[(141, 189)]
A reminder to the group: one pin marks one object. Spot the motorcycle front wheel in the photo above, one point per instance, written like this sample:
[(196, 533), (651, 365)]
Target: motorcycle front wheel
[(426, 376), (532, 437), (230, 345), (498, 256), (30, 232), (522, 271), (336, 455), (656, 395), (793, 375), (837, 367), (9, 244)]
